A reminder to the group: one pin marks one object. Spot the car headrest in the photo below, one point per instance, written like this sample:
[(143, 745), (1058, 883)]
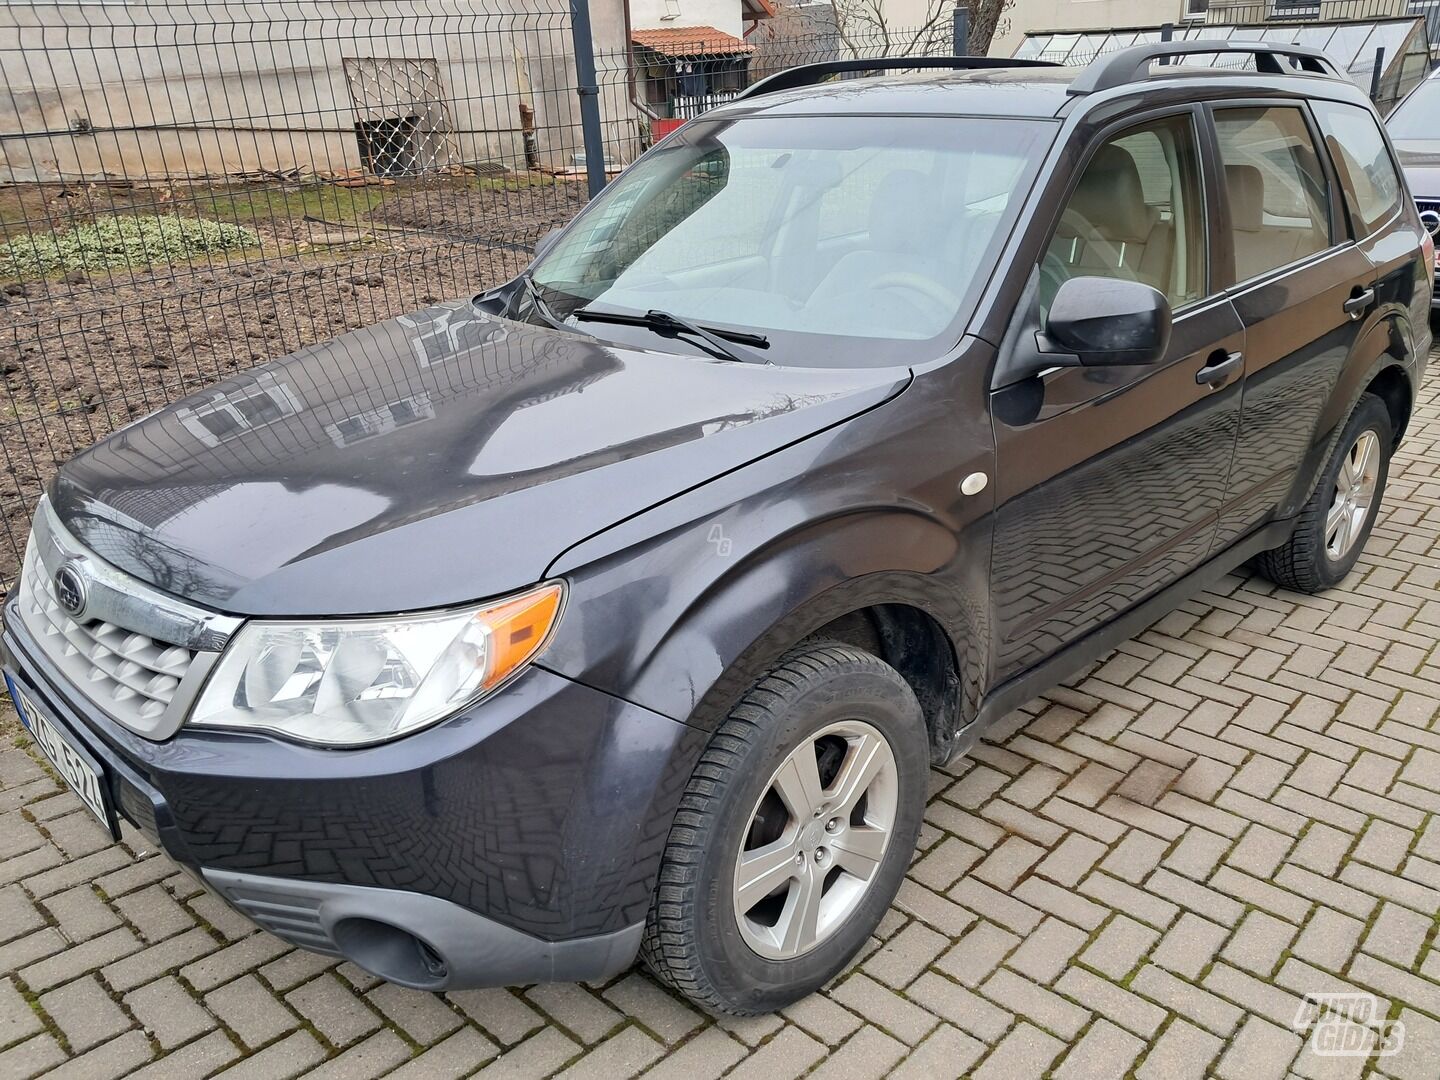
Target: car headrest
[(1111, 198), (1246, 186)]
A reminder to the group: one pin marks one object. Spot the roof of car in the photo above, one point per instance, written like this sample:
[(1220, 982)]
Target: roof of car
[(1038, 91), (1020, 91)]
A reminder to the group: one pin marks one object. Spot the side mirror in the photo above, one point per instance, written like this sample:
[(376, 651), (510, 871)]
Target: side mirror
[(1098, 321), (546, 242)]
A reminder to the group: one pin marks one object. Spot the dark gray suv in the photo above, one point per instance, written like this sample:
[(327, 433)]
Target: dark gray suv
[(623, 609)]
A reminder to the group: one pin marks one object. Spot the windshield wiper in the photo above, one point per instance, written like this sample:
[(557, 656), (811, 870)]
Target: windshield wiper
[(668, 325), (539, 304)]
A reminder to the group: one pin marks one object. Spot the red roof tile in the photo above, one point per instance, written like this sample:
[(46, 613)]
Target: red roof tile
[(690, 41)]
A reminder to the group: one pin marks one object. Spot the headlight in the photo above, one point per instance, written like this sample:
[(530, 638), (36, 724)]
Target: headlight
[(357, 681)]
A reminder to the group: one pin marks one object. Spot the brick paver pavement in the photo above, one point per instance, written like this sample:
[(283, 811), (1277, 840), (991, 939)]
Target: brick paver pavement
[(1140, 874)]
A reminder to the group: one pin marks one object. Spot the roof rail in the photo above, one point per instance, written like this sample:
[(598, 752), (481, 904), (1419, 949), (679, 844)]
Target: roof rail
[(1133, 64), (812, 74)]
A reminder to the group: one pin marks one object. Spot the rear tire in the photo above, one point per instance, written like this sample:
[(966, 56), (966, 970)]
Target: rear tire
[(1336, 521), (816, 783)]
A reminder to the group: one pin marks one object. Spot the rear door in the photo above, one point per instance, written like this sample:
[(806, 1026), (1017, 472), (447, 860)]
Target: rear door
[(1301, 289), (1384, 228), (1109, 480)]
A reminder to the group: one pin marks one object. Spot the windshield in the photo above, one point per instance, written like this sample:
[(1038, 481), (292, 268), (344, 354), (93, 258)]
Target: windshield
[(1418, 116), (845, 240)]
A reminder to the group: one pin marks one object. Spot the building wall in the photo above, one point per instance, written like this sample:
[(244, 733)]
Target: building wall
[(906, 14), (655, 14), (1026, 16), (206, 89)]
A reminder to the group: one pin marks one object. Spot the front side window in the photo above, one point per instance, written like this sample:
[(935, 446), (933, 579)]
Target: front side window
[(846, 240), (1279, 200), (1136, 213), (1363, 163)]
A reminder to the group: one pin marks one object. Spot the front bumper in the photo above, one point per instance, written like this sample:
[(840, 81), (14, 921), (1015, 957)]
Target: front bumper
[(417, 940), (518, 841)]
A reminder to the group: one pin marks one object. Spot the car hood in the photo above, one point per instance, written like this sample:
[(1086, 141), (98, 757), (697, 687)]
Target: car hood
[(1420, 158), (434, 459)]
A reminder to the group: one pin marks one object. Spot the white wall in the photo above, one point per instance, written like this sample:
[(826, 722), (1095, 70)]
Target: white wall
[(205, 89), (907, 14), (722, 14)]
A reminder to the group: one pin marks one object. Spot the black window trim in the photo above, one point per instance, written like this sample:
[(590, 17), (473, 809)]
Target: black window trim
[(1339, 228), (1039, 218), (1208, 192), (1350, 218)]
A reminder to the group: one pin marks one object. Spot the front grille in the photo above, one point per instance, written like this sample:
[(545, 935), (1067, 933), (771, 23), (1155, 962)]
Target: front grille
[(1430, 206), (130, 676)]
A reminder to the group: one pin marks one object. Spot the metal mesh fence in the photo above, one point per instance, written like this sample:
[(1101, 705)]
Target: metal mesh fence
[(1383, 47), (191, 188)]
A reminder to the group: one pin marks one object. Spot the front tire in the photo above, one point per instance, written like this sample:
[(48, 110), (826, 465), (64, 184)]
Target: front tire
[(794, 833), (1336, 521)]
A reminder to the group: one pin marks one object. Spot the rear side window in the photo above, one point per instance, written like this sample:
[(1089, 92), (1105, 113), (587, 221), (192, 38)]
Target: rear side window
[(1279, 200), (1363, 163)]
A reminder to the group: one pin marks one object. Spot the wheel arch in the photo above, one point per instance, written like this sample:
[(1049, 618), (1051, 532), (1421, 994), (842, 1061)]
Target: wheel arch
[(895, 582), (900, 632), (1381, 361), (933, 639), (1391, 384)]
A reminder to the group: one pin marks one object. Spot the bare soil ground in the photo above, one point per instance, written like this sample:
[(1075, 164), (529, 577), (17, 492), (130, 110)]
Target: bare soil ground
[(83, 352)]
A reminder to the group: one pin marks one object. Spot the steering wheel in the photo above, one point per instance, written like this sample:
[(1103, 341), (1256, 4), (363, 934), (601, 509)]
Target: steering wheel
[(927, 287)]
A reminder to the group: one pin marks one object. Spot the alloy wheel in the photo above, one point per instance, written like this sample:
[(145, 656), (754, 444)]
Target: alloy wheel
[(1354, 493), (815, 840)]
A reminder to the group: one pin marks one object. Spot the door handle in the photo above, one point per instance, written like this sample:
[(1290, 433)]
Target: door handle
[(1359, 303), (1220, 367)]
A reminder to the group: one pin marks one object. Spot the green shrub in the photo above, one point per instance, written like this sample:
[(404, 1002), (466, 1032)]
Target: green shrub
[(141, 240)]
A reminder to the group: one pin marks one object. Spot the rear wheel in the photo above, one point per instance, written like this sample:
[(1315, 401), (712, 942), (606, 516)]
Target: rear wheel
[(794, 833), (1335, 523)]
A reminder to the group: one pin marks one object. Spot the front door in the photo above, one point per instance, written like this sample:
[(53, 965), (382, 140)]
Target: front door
[(1110, 480)]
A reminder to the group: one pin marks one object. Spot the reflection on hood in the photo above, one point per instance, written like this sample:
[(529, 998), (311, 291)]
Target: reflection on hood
[(477, 446)]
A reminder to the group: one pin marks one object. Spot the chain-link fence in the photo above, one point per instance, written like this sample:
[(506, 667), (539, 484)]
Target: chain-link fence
[(192, 188)]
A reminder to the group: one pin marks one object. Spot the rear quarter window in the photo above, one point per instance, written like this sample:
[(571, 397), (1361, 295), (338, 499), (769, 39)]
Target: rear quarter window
[(1363, 163)]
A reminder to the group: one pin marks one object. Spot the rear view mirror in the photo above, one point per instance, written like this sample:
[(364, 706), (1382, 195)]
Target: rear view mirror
[(1097, 321)]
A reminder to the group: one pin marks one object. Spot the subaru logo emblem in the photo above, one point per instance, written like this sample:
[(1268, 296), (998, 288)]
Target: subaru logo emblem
[(1431, 220), (70, 590)]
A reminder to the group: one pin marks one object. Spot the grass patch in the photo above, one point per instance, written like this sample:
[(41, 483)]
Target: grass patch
[(122, 241), (256, 207), (516, 181)]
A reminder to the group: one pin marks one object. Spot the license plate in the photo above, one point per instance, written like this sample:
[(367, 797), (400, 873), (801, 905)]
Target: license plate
[(81, 771)]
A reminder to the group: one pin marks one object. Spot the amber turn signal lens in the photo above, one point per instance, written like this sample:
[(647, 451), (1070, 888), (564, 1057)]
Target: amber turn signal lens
[(519, 629)]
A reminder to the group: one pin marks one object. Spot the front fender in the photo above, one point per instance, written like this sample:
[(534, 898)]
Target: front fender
[(682, 608), (689, 651)]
